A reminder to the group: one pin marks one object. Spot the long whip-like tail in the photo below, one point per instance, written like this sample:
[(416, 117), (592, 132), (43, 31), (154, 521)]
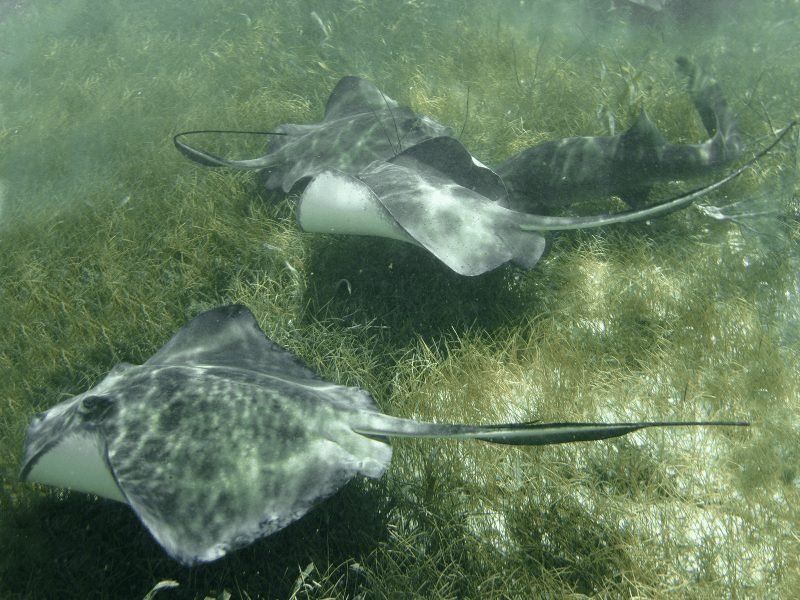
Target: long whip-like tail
[(208, 159), (520, 434)]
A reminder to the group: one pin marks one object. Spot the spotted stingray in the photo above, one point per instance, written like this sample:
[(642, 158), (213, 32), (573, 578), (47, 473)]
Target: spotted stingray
[(223, 437)]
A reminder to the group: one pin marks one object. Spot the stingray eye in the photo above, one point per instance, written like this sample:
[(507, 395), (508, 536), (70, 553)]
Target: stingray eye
[(94, 407)]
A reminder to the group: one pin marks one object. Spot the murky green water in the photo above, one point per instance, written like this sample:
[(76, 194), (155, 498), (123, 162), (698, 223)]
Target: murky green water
[(110, 241)]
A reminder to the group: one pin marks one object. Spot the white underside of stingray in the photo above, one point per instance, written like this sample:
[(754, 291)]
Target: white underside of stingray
[(78, 462), (223, 437)]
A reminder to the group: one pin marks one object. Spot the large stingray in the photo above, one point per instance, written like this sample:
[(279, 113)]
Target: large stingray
[(223, 437), (377, 168)]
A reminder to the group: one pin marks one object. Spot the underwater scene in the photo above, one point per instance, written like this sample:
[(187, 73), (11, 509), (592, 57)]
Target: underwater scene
[(427, 299)]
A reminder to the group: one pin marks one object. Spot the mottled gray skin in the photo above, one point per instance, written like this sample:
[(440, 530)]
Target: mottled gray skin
[(230, 475), (554, 174), (220, 438), (443, 205), (361, 125), (223, 437)]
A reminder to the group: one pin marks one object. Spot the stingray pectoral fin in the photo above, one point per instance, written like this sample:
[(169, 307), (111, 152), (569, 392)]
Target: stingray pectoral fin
[(446, 158), (410, 200), (200, 502), (215, 455), (353, 96), (207, 505), (334, 202), (465, 230)]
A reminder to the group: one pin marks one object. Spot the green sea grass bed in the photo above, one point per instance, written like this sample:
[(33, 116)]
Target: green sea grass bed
[(110, 241)]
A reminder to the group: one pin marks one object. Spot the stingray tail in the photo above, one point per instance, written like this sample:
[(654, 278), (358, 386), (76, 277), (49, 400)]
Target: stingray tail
[(208, 159), (520, 434)]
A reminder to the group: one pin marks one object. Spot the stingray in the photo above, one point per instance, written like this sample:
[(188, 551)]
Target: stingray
[(223, 437), (377, 168)]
